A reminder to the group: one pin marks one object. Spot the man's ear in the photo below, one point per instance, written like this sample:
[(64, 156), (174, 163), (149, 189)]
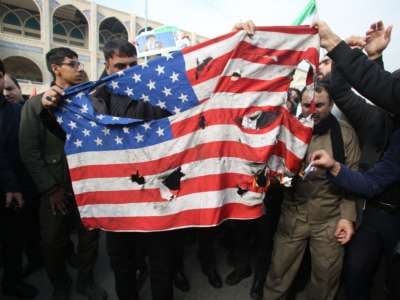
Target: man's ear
[(107, 66), (55, 68)]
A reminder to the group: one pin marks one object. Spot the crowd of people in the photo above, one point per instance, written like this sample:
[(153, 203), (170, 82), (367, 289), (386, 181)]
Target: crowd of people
[(329, 229)]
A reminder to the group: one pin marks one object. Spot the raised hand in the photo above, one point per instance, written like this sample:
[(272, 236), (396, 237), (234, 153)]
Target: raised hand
[(377, 39)]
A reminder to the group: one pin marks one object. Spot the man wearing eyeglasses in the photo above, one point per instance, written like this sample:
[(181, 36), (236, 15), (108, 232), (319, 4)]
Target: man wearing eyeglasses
[(42, 151)]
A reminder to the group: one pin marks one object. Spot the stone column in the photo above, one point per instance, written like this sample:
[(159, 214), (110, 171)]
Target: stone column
[(93, 41), (132, 28), (46, 33)]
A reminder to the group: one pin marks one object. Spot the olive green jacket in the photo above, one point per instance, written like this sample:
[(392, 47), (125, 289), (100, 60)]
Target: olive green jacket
[(41, 148), (316, 199)]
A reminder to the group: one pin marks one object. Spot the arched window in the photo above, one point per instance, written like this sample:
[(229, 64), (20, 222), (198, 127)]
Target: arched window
[(21, 21), (32, 23), (23, 69), (70, 26), (12, 19), (59, 29)]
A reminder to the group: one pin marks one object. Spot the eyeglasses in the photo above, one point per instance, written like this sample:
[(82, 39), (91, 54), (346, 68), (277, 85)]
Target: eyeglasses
[(74, 64)]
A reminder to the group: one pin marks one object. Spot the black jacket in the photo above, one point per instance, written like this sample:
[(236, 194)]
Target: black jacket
[(13, 175), (367, 77), (374, 126)]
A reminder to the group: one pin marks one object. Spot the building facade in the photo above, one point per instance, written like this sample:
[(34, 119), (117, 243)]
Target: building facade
[(30, 28)]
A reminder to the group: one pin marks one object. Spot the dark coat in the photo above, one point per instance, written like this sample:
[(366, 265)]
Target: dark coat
[(42, 147), (367, 77), (13, 175)]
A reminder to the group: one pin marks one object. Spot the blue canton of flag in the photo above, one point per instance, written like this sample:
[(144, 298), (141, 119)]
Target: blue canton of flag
[(161, 82)]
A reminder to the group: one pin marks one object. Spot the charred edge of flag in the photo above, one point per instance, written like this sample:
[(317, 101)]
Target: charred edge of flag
[(173, 180), (201, 66), (137, 178)]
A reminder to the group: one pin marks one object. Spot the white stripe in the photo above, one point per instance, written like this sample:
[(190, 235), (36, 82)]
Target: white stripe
[(257, 71), (205, 89), (211, 166), (284, 41), (225, 100), (203, 200), (193, 59), (214, 133)]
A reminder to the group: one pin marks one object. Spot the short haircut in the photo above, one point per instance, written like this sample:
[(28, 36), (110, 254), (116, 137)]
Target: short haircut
[(319, 86), (13, 79), (118, 45), (56, 56), (2, 69)]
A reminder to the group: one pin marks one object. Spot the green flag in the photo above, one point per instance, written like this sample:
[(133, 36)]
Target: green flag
[(308, 13)]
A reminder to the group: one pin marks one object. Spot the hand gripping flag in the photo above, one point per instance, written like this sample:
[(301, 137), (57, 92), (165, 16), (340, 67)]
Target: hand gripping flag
[(211, 159)]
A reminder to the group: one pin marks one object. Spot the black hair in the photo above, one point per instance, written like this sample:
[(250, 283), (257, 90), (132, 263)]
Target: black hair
[(2, 69), (118, 45), (13, 79), (297, 91), (319, 86), (56, 56)]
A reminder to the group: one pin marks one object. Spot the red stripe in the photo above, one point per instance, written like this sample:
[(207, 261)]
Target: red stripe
[(200, 152), (205, 217), (252, 53), (208, 183), (212, 69), (207, 43), (303, 29), (234, 116), (242, 85), (259, 55)]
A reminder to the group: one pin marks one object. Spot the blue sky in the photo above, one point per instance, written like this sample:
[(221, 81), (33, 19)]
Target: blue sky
[(214, 17)]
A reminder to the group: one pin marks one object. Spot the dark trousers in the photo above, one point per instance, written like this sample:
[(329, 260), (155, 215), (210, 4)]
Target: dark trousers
[(12, 241), (122, 248), (55, 231), (378, 234), (206, 253), (266, 228)]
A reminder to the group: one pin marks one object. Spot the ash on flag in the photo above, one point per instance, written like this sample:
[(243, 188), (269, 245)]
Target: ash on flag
[(212, 158)]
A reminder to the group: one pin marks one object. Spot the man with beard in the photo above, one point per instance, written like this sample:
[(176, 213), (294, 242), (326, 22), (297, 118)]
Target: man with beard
[(316, 211)]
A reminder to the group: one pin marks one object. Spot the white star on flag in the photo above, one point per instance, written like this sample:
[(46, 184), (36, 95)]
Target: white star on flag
[(166, 91), (68, 100), (106, 131), (160, 131), (72, 124), (177, 110), (183, 98), (174, 77), (145, 98), (161, 104), (98, 141), (93, 123), (84, 109), (137, 77), (139, 137), (144, 65), (60, 120), (114, 84), (78, 143), (115, 118), (129, 91), (79, 95), (146, 126), (125, 129), (167, 55), (160, 70), (86, 132), (120, 73), (118, 140), (100, 117), (151, 85)]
